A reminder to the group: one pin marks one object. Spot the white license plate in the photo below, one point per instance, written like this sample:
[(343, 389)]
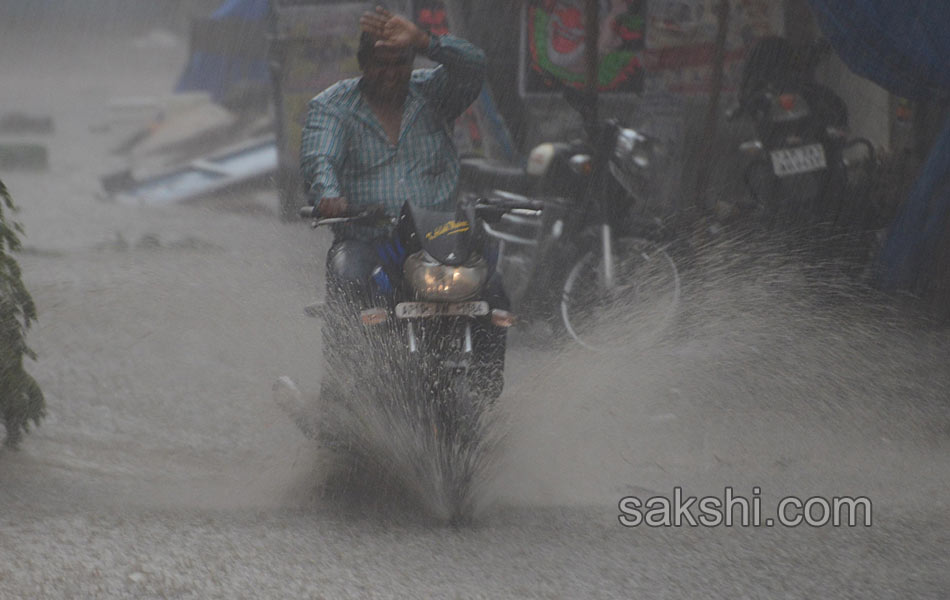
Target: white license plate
[(421, 310), (790, 161)]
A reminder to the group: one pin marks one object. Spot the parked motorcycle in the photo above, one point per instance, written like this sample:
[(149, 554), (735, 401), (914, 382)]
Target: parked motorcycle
[(802, 169), (591, 258)]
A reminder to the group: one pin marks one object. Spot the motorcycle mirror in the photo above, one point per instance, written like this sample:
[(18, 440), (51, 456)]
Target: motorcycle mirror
[(585, 103), (468, 209), (582, 101)]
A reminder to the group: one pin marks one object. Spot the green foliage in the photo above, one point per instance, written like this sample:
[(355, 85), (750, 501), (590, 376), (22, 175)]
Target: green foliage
[(21, 400)]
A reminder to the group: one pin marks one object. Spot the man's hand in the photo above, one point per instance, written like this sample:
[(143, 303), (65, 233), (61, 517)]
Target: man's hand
[(332, 207), (393, 31)]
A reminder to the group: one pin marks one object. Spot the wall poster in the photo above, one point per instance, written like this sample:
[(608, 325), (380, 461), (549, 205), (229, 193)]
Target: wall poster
[(553, 48)]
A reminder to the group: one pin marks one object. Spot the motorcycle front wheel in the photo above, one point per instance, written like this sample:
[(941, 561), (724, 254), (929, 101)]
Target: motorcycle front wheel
[(635, 310)]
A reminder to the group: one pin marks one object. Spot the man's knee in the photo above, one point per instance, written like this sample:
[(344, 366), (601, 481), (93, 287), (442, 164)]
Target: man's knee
[(350, 265)]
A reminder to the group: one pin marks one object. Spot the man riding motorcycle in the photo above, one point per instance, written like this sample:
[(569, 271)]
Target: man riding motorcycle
[(381, 140)]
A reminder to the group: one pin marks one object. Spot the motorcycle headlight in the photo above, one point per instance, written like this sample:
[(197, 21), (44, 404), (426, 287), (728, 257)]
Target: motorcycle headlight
[(431, 280)]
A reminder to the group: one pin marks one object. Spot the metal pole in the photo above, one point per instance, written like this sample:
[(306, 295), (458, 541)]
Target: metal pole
[(591, 45), (712, 112), (494, 148)]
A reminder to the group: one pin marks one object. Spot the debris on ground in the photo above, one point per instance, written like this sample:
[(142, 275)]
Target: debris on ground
[(252, 160), (19, 122), (23, 155), (186, 146)]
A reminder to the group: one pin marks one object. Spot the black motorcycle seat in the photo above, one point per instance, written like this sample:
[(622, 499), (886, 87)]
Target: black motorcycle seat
[(482, 175)]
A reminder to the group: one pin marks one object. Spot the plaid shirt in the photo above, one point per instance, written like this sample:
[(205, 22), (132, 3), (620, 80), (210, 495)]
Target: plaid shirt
[(345, 151)]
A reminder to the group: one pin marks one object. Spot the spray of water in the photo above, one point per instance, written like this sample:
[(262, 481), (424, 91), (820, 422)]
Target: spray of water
[(777, 370), (773, 358), (435, 438)]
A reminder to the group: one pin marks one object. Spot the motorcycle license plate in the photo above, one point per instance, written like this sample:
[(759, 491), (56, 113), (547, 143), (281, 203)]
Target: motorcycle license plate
[(421, 310), (791, 161)]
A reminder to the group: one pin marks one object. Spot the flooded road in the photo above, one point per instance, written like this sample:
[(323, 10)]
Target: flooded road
[(164, 470)]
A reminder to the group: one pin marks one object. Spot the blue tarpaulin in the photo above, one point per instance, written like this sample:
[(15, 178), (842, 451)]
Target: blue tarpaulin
[(249, 10), (219, 68), (903, 46)]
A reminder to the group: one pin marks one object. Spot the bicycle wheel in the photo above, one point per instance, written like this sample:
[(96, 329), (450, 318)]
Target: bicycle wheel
[(635, 310)]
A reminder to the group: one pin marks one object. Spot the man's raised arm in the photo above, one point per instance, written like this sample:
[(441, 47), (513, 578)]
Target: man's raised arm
[(456, 82), (458, 79)]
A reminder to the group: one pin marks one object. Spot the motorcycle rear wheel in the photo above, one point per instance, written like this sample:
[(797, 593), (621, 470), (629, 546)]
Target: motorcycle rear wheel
[(635, 311)]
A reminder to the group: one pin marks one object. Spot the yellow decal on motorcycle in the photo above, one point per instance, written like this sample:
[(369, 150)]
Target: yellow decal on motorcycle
[(450, 228)]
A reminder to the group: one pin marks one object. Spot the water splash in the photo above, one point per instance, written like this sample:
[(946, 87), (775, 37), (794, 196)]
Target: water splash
[(437, 443)]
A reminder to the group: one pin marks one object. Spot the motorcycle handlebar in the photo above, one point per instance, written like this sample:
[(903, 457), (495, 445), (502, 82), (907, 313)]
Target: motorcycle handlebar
[(510, 202), (505, 202), (370, 213)]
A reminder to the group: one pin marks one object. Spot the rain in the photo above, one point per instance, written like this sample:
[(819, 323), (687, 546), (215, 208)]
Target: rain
[(728, 282)]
